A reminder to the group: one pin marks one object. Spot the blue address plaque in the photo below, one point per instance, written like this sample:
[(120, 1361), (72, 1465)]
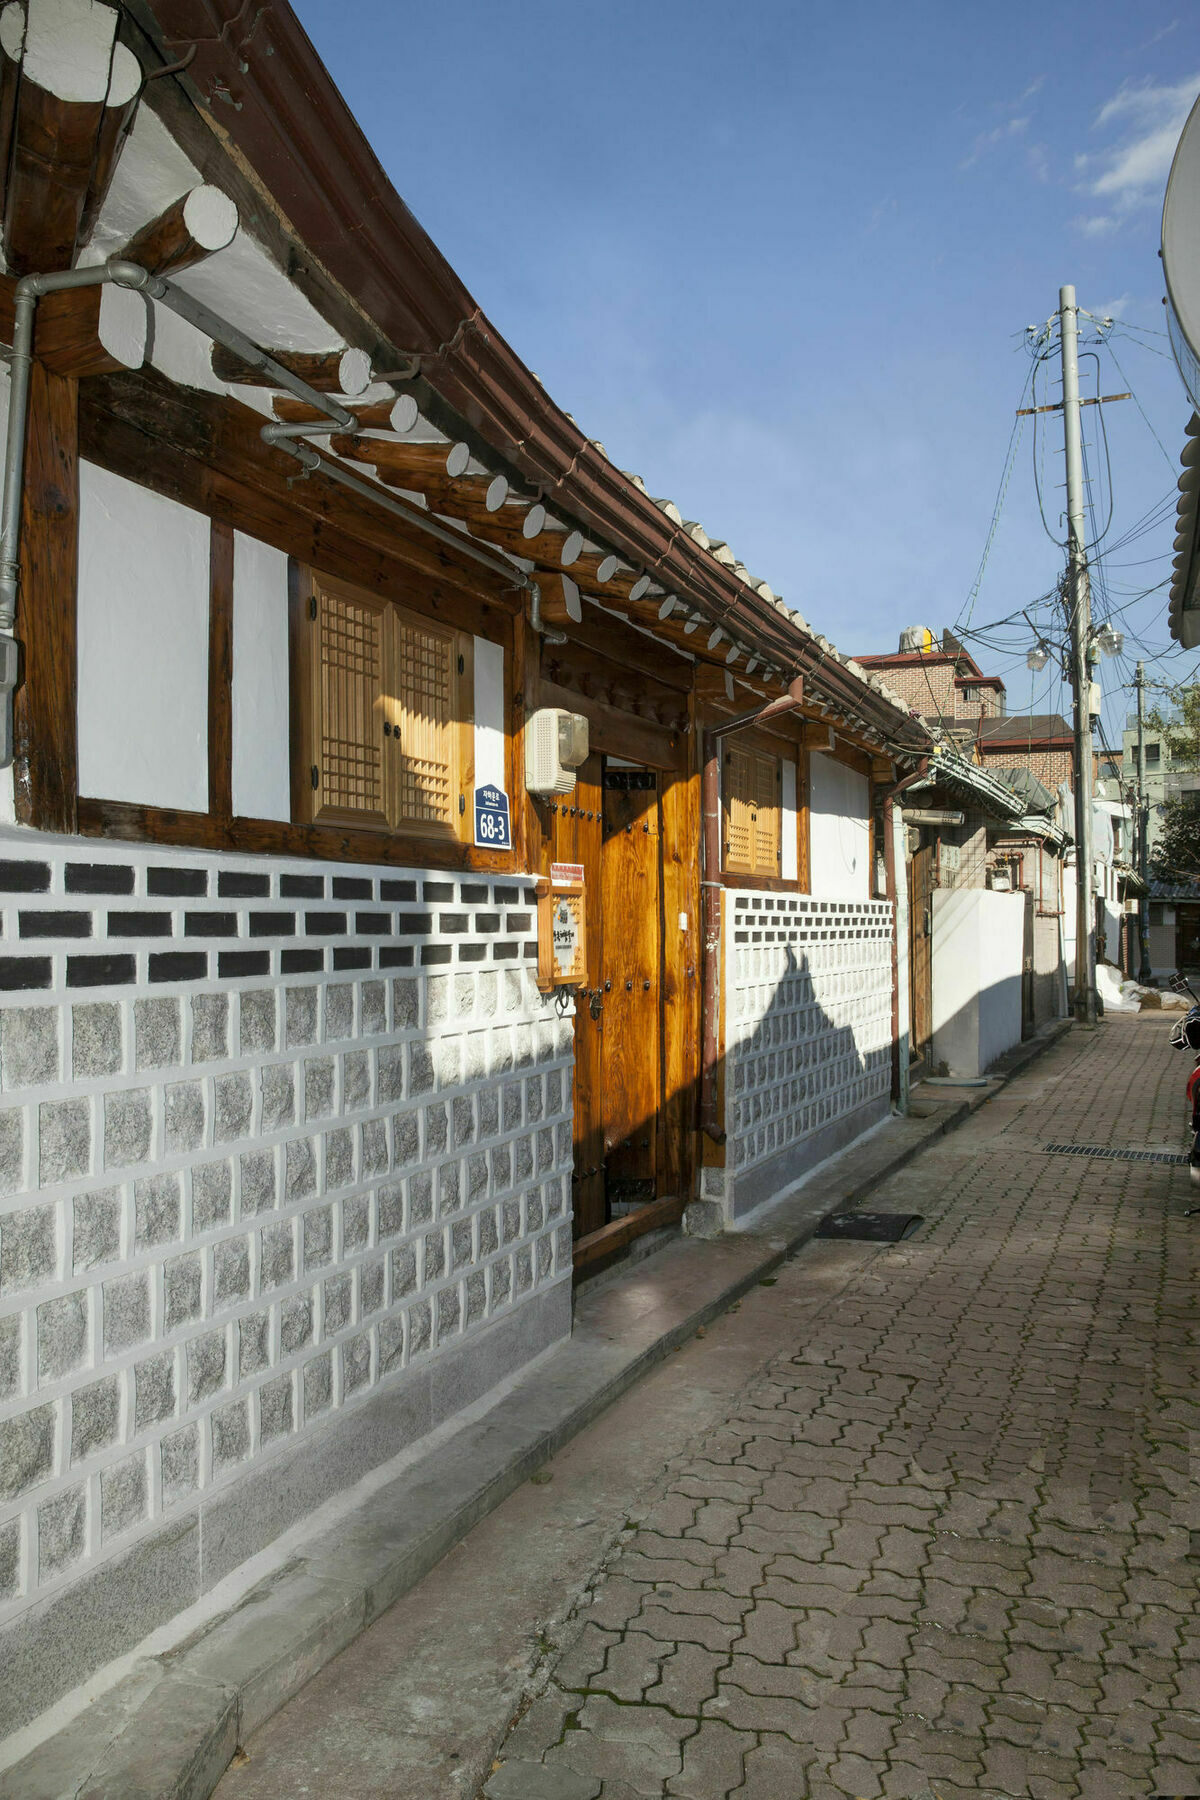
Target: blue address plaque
[(493, 830)]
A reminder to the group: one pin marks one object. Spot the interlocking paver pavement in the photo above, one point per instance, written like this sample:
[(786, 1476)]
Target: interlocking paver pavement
[(940, 1546)]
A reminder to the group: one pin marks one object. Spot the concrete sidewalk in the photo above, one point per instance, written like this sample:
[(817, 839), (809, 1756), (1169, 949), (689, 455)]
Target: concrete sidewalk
[(172, 1725)]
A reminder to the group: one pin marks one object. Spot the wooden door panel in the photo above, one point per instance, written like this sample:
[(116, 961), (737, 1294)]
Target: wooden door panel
[(577, 835), (920, 900), (631, 898)]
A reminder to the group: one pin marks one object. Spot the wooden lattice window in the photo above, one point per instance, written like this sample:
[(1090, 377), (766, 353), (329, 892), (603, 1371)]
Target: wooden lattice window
[(752, 812), (386, 714)]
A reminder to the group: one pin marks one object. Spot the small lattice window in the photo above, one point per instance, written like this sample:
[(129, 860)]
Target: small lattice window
[(752, 812), (388, 709)]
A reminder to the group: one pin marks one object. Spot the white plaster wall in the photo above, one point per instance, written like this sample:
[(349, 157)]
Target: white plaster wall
[(261, 778), (903, 1021), (839, 830), (143, 645), (978, 945), (789, 859), (489, 714), (1069, 899)]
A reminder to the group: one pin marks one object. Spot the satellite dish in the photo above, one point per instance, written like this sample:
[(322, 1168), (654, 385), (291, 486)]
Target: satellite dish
[(1181, 254)]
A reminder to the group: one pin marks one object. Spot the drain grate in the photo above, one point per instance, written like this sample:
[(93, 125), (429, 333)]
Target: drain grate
[(869, 1227), (1100, 1150)]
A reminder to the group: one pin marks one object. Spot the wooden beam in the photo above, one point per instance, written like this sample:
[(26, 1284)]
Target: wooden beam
[(267, 837), (560, 597), (70, 120), (206, 451), (619, 733), (375, 415), (408, 466), (45, 762), (626, 653), (598, 1244), (329, 372), (193, 227), (220, 670), (92, 331), (115, 125)]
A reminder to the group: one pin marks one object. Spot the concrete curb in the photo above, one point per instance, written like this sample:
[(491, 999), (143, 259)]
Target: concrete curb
[(170, 1728)]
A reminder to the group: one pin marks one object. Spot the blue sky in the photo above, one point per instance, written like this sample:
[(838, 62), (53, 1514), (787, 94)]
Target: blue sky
[(779, 259)]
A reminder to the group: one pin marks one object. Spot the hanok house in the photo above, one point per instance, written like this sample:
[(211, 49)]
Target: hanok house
[(431, 861)]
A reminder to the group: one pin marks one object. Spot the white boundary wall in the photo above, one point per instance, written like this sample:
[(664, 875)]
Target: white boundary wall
[(978, 949)]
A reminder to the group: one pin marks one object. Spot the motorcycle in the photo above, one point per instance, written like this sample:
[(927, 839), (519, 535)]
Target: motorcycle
[(1185, 1035)]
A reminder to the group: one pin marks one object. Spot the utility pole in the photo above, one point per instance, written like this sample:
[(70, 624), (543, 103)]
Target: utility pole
[(1145, 974), (1081, 673)]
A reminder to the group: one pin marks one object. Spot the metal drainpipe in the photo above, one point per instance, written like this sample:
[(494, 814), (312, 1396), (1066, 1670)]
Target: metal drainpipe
[(710, 896), (122, 273), (899, 1083)]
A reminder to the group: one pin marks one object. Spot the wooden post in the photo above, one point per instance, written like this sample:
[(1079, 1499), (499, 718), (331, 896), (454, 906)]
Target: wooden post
[(220, 672), (45, 762)]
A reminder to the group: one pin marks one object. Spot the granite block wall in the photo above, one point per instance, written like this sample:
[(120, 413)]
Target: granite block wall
[(808, 1002), (274, 1136)]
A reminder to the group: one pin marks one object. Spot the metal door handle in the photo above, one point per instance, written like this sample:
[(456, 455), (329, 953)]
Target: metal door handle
[(629, 987)]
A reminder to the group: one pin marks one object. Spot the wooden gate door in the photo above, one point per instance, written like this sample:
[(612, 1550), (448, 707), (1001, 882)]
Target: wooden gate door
[(577, 839), (631, 964), (920, 962)]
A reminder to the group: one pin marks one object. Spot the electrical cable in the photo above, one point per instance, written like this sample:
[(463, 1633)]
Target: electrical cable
[(1010, 457)]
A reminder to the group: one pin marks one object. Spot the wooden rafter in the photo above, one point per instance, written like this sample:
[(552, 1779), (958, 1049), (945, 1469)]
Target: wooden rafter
[(328, 371), (63, 121), (194, 226)]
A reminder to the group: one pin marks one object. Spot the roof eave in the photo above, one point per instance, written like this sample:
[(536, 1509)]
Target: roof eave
[(267, 96)]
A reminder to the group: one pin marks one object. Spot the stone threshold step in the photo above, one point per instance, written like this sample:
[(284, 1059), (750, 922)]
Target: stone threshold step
[(169, 1729)]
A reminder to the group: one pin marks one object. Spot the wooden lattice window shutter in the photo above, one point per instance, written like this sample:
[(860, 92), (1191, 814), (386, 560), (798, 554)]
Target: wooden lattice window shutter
[(388, 717), (349, 669), (423, 716), (768, 810), (739, 812), (753, 812)]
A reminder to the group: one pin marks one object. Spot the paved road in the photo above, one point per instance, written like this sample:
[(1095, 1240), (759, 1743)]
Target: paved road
[(923, 1527)]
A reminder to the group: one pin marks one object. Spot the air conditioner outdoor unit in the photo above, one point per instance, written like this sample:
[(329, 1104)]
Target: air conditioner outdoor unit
[(556, 744)]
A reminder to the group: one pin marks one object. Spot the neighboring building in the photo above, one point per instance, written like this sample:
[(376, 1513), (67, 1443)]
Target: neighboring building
[(1166, 778), (1043, 743), (940, 681), (344, 654)]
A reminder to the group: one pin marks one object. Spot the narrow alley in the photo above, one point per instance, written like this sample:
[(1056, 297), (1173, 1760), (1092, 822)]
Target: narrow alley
[(923, 1528)]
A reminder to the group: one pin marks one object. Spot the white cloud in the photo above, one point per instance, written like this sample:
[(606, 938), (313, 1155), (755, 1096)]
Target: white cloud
[(987, 140), (1096, 225), (1114, 309), (1149, 118)]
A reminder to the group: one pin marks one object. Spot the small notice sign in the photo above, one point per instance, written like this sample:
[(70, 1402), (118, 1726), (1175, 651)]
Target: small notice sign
[(562, 937), (566, 874), (493, 830)]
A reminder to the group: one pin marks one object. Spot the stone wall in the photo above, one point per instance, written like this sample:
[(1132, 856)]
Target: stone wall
[(808, 1023), (285, 1156)]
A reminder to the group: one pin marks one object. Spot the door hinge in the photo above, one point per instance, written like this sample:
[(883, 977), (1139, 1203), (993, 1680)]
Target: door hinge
[(316, 778), (462, 665), (312, 606), (462, 805)]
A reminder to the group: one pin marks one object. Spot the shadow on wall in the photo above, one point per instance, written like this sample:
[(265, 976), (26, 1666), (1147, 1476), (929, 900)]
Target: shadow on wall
[(808, 1056)]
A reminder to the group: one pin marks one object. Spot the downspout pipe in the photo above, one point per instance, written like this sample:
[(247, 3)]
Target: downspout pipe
[(919, 774), (710, 896)]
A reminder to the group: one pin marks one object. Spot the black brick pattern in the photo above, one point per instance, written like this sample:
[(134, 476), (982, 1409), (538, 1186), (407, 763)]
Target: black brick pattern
[(392, 932)]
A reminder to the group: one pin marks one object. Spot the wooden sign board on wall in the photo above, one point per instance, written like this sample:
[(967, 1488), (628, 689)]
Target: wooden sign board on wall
[(562, 937)]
